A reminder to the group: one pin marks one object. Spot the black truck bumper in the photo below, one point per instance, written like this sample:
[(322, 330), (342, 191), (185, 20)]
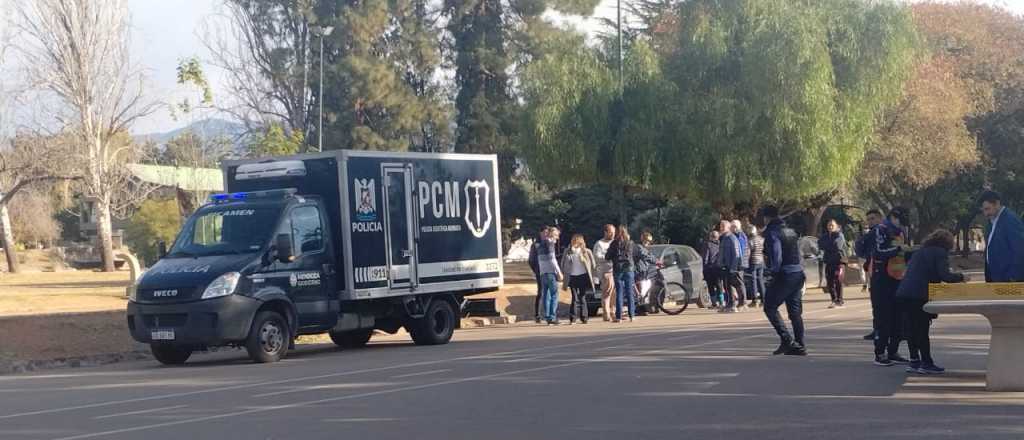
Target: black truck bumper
[(213, 322)]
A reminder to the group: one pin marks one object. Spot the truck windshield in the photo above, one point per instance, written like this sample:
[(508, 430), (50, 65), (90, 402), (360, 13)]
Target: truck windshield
[(228, 230)]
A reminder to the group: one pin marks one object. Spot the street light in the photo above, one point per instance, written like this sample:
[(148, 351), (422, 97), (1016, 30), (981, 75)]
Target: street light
[(322, 32)]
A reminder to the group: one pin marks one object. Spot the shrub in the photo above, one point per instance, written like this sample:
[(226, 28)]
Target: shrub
[(156, 220)]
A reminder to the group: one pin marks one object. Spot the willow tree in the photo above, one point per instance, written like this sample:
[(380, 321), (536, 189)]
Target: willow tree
[(778, 99), (579, 127)]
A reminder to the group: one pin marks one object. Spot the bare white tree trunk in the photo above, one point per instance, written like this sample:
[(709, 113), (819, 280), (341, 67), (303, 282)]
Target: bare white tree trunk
[(8, 240), (105, 233)]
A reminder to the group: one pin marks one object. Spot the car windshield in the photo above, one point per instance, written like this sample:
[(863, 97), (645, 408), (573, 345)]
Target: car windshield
[(226, 230)]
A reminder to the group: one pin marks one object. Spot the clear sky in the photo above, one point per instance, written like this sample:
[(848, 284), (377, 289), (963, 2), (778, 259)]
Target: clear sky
[(165, 31)]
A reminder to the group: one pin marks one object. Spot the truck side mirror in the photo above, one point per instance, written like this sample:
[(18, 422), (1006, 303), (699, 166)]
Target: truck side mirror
[(283, 248), (161, 249)]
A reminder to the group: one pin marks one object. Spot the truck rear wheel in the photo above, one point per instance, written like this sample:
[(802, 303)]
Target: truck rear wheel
[(351, 339), (436, 326), (269, 337), (170, 355)]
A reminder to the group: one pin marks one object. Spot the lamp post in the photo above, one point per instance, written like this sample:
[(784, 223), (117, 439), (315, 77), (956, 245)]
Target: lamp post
[(322, 32)]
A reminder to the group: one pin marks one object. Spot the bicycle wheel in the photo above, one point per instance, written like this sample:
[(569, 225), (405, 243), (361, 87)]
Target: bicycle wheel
[(674, 298)]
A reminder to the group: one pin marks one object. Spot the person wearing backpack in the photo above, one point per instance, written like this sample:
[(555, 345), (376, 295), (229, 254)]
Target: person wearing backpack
[(622, 254)]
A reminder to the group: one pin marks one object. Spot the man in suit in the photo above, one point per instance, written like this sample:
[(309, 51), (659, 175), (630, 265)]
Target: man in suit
[(1004, 251)]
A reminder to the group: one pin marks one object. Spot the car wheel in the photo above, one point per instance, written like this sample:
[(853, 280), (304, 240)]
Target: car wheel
[(169, 354), (351, 339), (269, 337), (436, 326)]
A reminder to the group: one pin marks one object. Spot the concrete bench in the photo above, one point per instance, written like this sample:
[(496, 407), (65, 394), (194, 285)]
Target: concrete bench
[(1006, 349)]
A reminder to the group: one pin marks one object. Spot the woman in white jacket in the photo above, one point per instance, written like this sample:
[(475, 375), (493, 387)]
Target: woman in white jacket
[(578, 267)]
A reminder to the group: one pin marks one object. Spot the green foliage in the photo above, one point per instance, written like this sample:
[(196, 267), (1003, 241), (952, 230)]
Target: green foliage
[(578, 130), (156, 220), (190, 71), (488, 37), (380, 64), (778, 98), (275, 142), (678, 223)]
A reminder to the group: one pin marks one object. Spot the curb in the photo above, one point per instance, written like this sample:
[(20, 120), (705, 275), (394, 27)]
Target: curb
[(478, 322), (15, 367)]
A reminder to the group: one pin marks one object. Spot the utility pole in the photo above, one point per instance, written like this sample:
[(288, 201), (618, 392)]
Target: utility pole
[(324, 32), (618, 27)]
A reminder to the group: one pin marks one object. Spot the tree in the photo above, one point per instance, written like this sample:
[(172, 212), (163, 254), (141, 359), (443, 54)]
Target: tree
[(26, 162), (32, 217), (274, 142), (79, 50), (265, 51), (156, 220), (384, 56), (778, 99), (579, 129), (488, 37)]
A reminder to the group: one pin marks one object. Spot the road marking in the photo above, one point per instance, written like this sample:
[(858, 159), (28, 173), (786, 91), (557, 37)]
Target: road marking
[(322, 376), (413, 387), (333, 386), (138, 412), (424, 373)]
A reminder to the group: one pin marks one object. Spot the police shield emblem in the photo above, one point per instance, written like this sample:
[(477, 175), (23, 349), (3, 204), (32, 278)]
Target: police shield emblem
[(366, 200), (478, 207)]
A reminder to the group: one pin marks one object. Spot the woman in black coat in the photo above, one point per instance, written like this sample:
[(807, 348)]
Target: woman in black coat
[(929, 265)]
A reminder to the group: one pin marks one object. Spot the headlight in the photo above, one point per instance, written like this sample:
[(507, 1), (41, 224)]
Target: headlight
[(224, 285)]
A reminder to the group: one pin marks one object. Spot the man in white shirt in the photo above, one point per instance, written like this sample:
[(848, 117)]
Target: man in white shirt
[(604, 271)]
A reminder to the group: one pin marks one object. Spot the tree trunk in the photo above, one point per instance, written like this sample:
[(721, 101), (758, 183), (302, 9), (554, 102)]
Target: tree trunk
[(813, 226), (7, 240), (105, 232)]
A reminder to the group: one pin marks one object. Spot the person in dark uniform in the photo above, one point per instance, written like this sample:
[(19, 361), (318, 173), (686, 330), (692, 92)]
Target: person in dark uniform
[(888, 266), (786, 286)]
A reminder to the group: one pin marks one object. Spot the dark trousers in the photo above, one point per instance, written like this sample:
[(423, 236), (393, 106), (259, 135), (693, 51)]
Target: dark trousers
[(734, 286), (714, 280), (540, 295), (918, 322), (788, 289), (887, 318), (834, 277), (579, 285), (755, 282)]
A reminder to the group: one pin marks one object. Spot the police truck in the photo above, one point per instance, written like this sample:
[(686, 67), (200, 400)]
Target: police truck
[(341, 242)]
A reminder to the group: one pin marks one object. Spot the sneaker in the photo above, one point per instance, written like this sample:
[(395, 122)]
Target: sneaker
[(796, 350), (869, 336), (914, 366), (554, 322), (883, 361), (832, 306), (572, 322), (733, 309), (537, 320), (931, 369), (841, 305), (783, 348), (897, 359)]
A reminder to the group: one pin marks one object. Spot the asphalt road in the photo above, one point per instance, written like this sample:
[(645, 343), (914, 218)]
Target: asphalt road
[(698, 375)]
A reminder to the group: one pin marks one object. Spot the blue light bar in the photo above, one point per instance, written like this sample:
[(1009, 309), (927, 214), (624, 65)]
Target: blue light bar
[(273, 193)]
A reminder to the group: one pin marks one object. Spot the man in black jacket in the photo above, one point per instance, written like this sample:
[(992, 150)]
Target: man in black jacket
[(783, 259)]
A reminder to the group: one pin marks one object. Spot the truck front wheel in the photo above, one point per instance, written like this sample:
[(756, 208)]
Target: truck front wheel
[(436, 326), (269, 337), (351, 339), (170, 355)]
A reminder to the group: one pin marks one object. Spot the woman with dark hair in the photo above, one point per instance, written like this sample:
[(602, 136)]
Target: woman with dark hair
[(929, 265), (622, 253)]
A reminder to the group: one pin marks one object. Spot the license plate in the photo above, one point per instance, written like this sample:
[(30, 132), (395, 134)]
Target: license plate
[(163, 335)]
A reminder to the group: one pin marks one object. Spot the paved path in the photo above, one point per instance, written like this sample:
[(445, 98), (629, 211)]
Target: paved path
[(698, 375)]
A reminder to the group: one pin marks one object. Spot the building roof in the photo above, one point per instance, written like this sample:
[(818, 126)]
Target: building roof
[(188, 179)]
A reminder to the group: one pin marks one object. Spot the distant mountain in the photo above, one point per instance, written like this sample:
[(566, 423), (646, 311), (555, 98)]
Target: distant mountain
[(207, 128)]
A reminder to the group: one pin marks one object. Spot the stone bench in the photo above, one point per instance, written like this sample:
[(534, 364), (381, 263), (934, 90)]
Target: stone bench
[(1006, 349)]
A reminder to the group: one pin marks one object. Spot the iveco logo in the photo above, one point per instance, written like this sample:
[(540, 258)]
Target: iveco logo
[(164, 293)]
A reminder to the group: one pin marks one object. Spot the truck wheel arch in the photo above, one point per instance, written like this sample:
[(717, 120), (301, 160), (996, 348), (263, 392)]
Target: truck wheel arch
[(280, 303)]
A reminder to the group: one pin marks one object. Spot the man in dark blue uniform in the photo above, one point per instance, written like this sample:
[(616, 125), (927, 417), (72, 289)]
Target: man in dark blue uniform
[(783, 261)]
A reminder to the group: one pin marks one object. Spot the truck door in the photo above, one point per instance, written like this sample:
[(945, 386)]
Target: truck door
[(399, 226), (309, 275)]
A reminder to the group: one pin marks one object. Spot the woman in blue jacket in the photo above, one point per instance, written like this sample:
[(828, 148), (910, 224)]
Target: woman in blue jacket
[(929, 265)]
